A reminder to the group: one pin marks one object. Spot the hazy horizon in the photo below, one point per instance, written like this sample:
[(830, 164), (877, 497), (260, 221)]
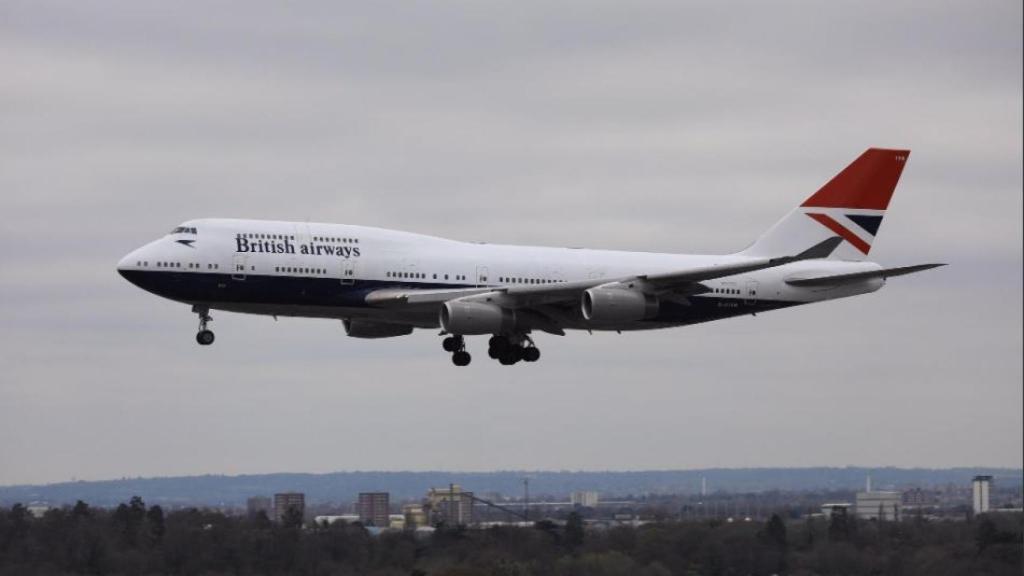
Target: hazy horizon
[(527, 471)]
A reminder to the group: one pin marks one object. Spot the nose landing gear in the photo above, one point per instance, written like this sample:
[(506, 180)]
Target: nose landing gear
[(457, 346), (204, 337)]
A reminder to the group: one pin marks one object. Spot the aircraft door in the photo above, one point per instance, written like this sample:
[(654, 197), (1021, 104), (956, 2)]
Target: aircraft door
[(481, 275), (238, 267), (750, 296)]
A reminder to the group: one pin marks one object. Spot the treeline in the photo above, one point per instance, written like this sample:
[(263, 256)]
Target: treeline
[(136, 539)]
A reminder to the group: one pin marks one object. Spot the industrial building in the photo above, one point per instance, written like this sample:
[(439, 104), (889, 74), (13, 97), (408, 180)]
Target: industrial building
[(288, 500), (373, 509), (879, 505), (451, 505), (415, 516)]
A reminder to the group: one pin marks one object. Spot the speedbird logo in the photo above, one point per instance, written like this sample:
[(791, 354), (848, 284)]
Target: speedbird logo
[(285, 246)]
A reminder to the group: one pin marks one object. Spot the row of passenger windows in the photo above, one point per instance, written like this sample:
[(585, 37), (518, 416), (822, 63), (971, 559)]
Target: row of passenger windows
[(329, 239), (502, 279), (188, 265), (336, 240), (423, 276), (518, 280), (255, 236), (299, 270), (726, 291)]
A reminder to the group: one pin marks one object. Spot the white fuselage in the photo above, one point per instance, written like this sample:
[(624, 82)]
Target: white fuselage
[(327, 270)]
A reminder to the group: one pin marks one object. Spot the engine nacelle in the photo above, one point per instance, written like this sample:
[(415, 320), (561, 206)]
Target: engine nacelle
[(368, 329), (467, 318), (611, 306)]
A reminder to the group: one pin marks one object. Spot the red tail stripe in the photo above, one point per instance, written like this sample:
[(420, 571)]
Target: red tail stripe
[(841, 230), (868, 182)]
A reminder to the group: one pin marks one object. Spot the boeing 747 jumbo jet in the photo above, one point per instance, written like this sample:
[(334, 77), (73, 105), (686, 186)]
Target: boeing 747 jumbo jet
[(383, 283)]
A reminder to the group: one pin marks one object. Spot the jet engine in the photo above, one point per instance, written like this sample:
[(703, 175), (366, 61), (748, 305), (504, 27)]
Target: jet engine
[(368, 329), (467, 318), (610, 306)]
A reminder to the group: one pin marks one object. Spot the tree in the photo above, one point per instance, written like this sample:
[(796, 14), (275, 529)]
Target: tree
[(155, 519), (81, 511), (574, 531), (129, 519), (986, 534), (839, 526), (775, 532), (292, 518)]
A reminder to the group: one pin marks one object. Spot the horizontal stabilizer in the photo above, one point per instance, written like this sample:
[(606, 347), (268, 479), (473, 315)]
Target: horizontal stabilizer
[(859, 276)]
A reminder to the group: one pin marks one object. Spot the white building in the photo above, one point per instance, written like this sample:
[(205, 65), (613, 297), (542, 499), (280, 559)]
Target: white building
[(586, 498), (879, 504), (332, 518), (982, 486)]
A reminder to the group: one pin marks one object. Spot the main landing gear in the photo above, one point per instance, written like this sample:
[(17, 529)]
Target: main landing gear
[(204, 337), (457, 346), (508, 350)]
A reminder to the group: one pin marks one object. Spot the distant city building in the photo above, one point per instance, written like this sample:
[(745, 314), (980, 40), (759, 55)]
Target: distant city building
[(37, 509), (835, 508), (288, 500), (981, 487), (373, 508), (587, 498), (257, 504), (328, 519), (415, 516), (452, 505), (879, 504)]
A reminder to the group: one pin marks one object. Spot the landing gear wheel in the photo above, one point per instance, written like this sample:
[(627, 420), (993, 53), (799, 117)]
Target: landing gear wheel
[(531, 354), (498, 346), (204, 336), (461, 358), (510, 356), (453, 344)]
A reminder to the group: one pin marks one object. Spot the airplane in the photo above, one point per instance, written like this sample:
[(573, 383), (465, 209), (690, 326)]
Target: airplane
[(385, 283)]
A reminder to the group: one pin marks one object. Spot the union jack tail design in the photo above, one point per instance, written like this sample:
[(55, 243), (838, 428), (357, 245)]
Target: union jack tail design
[(851, 205)]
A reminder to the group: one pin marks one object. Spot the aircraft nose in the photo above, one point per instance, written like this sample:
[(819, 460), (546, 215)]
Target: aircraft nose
[(131, 261)]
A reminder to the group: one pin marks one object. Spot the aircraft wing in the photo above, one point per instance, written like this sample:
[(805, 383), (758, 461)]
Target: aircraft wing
[(837, 279), (682, 282), (671, 280)]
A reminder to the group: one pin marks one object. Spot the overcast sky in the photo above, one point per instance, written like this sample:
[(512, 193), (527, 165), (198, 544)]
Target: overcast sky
[(676, 127)]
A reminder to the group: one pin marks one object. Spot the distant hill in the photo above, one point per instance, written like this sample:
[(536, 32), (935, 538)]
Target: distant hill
[(345, 486)]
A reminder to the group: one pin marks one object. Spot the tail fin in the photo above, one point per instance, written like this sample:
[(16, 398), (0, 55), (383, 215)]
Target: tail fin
[(851, 205)]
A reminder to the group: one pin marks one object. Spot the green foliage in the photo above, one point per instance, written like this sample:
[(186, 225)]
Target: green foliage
[(134, 539), (573, 533)]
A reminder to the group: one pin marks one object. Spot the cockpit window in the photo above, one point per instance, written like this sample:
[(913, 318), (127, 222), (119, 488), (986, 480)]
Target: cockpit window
[(184, 230)]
